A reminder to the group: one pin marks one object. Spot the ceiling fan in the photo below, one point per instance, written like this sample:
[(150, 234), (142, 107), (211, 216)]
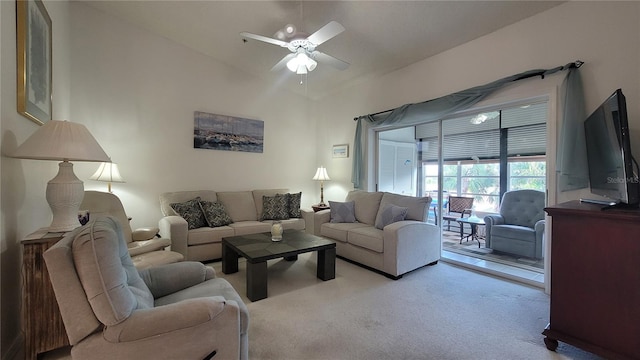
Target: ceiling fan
[(303, 47)]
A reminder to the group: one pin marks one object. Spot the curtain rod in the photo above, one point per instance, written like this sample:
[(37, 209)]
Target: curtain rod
[(576, 64)]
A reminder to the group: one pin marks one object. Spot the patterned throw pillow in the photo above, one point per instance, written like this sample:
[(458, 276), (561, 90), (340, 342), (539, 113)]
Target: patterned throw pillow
[(215, 214), (342, 212), (275, 207), (390, 214), (191, 211), (294, 205)]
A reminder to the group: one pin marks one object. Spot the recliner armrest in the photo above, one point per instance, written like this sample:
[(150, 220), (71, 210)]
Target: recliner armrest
[(163, 320), (145, 246), (144, 233), (167, 279)]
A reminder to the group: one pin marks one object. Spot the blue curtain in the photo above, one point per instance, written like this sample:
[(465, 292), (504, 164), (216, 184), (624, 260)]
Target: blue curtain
[(431, 110)]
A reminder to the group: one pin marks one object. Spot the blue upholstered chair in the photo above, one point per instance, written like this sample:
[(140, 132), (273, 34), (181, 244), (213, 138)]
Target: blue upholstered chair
[(519, 228)]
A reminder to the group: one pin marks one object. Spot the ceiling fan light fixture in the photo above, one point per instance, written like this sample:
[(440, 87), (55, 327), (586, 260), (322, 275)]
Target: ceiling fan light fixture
[(301, 64)]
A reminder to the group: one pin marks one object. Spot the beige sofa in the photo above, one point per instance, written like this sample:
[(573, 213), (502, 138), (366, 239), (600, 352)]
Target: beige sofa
[(394, 249), (205, 243)]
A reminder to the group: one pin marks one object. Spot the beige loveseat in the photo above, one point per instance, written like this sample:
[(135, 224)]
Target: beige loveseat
[(375, 230), (245, 209)]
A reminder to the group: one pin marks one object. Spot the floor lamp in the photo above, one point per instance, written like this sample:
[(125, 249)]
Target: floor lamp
[(64, 141)]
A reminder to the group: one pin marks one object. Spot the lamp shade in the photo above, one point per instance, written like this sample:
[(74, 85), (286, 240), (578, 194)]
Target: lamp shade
[(108, 172), (61, 140), (321, 174)]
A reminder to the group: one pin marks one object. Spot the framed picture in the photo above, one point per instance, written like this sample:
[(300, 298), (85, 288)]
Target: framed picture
[(340, 151), (34, 60), (222, 132)]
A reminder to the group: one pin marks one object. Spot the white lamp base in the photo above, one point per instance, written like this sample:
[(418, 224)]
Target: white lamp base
[(64, 195)]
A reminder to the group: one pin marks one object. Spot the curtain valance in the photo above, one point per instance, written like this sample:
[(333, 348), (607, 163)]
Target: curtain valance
[(435, 109)]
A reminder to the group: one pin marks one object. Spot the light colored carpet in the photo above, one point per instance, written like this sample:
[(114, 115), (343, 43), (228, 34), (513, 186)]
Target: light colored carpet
[(436, 312)]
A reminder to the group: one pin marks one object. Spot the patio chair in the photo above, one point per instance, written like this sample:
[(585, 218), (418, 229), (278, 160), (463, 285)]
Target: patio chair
[(459, 206), (519, 228)]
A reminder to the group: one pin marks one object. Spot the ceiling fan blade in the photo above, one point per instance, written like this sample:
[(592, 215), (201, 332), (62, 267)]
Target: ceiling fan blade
[(325, 33), (265, 39), (282, 63), (329, 60)]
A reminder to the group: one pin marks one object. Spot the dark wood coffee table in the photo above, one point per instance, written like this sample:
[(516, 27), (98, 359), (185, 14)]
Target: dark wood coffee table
[(258, 248)]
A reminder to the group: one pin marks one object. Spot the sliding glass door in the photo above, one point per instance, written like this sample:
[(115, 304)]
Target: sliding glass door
[(478, 156)]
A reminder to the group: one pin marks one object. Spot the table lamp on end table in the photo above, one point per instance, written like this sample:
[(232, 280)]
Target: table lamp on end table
[(321, 175), (64, 141)]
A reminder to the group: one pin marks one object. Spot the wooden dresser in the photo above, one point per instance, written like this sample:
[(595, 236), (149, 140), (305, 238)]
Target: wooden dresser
[(595, 279), (42, 323)]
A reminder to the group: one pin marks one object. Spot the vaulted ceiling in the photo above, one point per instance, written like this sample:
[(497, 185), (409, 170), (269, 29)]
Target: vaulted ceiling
[(380, 36)]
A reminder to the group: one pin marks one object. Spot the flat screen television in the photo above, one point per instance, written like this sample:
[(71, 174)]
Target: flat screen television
[(611, 165)]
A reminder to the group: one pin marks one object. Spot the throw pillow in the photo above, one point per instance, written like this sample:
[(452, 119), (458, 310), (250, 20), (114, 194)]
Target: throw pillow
[(390, 214), (191, 211), (342, 212), (294, 205), (215, 213), (275, 207)]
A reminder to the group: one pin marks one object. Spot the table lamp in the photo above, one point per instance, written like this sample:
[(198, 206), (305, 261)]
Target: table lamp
[(64, 141), (109, 173), (321, 175)]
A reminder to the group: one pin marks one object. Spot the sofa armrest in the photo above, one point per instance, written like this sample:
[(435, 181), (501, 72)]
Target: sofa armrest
[(180, 316), (167, 279), (409, 244), (319, 218), (307, 216), (175, 228)]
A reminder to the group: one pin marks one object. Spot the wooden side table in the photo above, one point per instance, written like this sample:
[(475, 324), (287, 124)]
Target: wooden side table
[(42, 322), (317, 208)]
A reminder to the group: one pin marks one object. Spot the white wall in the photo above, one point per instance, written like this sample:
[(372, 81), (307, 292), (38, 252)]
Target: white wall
[(23, 182), (137, 92), (606, 35)]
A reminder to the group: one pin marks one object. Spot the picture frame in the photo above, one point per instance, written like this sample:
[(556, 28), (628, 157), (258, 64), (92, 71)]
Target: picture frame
[(340, 151), (34, 51), (229, 133)]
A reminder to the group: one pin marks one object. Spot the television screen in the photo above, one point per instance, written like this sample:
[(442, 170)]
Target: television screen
[(609, 152)]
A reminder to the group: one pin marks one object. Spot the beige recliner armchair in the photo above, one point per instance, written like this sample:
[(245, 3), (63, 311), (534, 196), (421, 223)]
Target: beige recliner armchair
[(111, 310), (145, 247)]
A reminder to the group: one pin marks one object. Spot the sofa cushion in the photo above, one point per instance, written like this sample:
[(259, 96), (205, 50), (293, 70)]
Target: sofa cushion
[(275, 207), (207, 235), (239, 205), (294, 205), (214, 213), (367, 237), (339, 231), (366, 205), (190, 211), (107, 274), (258, 194), (390, 214), (250, 227), (342, 212), (418, 207), (168, 198)]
